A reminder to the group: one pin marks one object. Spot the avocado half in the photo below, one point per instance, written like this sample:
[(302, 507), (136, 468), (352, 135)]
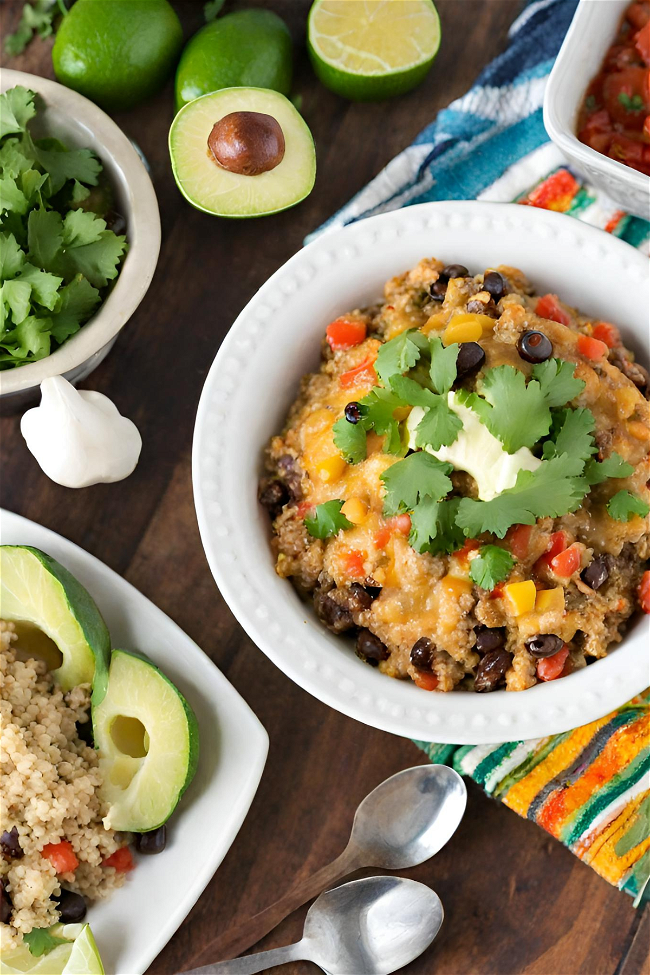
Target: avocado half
[(148, 741), (36, 589), (217, 190)]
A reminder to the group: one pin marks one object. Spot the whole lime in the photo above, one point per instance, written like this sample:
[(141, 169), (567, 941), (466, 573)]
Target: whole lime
[(248, 48), (117, 52)]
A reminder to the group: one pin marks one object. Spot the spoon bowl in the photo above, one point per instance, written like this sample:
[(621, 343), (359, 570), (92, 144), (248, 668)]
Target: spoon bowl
[(409, 817)]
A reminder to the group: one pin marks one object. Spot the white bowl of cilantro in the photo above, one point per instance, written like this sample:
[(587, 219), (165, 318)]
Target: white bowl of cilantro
[(79, 233), (256, 377)]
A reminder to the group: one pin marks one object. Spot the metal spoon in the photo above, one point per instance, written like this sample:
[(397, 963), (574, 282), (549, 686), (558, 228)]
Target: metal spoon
[(401, 823), (368, 927)]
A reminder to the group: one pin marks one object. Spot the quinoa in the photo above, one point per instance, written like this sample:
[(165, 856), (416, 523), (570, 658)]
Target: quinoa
[(49, 792)]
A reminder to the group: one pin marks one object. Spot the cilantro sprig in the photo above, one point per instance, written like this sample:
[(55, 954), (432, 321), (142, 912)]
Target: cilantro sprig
[(491, 566), (41, 941), (624, 505), (327, 520), (613, 466), (57, 256)]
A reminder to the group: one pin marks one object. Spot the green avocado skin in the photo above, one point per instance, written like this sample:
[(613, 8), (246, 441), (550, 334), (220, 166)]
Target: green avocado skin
[(248, 48), (117, 52)]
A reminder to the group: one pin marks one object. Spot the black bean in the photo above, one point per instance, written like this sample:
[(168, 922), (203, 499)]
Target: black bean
[(494, 283), (421, 653), (371, 649), (338, 618), (273, 495), (454, 271), (71, 906), (373, 591), (544, 645), (438, 289), (634, 371), (491, 671), (290, 476), (10, 844), (5, 904), (534, 346), (477, 307), (152, 842), (358, 598), (489, 638), (353, 412), (596, 573), (470, 357)]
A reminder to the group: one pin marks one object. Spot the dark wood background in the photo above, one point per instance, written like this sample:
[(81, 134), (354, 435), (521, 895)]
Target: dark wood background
[(516, 901)]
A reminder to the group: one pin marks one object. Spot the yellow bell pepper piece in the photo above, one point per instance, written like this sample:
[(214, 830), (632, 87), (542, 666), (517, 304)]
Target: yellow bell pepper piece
[(331, 468), (626, 401), (550, 599), (455, 586), (355, 510), (466, 327), (520, 596)]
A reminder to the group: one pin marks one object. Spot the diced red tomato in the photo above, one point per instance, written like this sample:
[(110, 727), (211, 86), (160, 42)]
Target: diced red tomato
[(400, 524), (642, 42), (567, 562), (121, 860), (556, 544), (607, 333), (426, 680), (382, 537), (623, 89), (304, 508), (61, 856), (591, 348), (550, 668), (548, 306), (646, 128), (497, 592), (363, 373), (518, 538), (638, 14), (344, 333), (353, 562), (644, 591)]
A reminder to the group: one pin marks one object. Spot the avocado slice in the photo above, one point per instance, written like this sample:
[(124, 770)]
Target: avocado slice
[(36, 590), (148, 741), (242, 152)]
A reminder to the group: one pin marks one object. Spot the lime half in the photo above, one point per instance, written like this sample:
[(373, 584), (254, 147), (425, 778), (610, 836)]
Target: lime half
[(372, 49), (79, 957)]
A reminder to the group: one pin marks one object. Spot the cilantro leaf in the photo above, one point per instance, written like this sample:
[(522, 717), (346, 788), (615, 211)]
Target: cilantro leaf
[(327, 520), (491, 566), (400, 354), (97, 261), (29, 338), (439, 426), (44, 237), (572, 433), (443, 365), (40, 941), (350, 438), (434, 528), (554, 489), (410, 480), (211, 9), (12, 256), (411, 392), (35, 18), (519, 416), (557, 380), (624, 505), (13, 161), (63, 164), (75, 303), (14, 296), (378, 414), (44, 286), (11, 196), (633, 103), (16, 109), (613, 466)]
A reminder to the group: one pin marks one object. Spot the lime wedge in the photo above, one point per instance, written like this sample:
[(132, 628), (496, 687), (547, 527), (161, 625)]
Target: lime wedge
[(372, 49), (79, 957)]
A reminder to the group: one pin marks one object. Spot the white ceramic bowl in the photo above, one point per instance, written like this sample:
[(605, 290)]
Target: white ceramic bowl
[(254, 379), (135, 924), (591, 33), (78, 122)]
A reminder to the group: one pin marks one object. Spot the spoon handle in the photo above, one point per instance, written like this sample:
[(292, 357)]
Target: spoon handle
[(247, 933), (250, 964)]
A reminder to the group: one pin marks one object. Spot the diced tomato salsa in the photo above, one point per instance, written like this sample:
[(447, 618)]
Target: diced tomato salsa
[(614, 117)]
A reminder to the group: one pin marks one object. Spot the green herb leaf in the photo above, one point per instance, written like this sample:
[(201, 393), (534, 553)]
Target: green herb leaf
[(378, 409), (400, 354), (613, 466), (16, 109), (44, 237), (491, 566), (519, 416), (439, 426), (443, 365), (75, 304), (410, 480), (554, 489), (211, 9), (14, 297), (327, 520), (12, 257), (558, 382), (41, 941), (634, 103), (28, 339), (63, 164), (434, 528), (11, 196), (572, 433), (33, 19), (624, 505), (44, 286), (350, 438)]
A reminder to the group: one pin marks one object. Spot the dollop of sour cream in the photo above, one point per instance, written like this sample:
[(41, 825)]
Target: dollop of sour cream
[(477, 451), (79, 437)]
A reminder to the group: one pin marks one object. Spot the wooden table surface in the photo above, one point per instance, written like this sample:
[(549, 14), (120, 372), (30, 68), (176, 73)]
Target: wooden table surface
[(516, 901)]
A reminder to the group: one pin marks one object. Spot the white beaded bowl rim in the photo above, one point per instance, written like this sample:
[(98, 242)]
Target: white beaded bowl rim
[(254, 379)]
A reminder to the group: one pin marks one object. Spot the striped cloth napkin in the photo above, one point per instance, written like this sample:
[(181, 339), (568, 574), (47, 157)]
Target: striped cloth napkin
[(590, 787)]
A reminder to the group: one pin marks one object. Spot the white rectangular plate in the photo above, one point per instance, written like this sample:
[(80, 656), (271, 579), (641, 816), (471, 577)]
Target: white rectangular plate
[(135, 924)]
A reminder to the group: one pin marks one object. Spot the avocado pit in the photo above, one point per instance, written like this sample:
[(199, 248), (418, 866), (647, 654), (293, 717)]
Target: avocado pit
[(247, 143)]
